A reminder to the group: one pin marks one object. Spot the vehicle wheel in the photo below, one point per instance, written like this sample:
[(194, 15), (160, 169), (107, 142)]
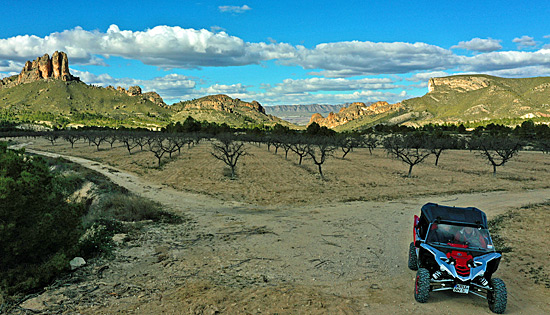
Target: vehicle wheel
[(413, 259), (422, 285), (497, 297)]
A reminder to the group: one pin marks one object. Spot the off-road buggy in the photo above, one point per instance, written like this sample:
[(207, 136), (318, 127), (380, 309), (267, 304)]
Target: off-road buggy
[(452, 250)]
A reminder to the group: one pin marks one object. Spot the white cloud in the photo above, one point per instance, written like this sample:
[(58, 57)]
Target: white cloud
[(171, 86), (290, 86), (343, 59), (234, 8), (425, 76), (532, 71), (480, 45), (10, 66), (162, 46), (524, 42), (503, 60)]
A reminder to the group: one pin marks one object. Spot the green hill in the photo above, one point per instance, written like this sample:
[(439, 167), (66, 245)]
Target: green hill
[(224, 109), (471, 100), (479, 98), (79, 103)]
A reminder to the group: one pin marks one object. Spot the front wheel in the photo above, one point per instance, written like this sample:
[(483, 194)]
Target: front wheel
[(422, 285), (497, 297), (413, 259)]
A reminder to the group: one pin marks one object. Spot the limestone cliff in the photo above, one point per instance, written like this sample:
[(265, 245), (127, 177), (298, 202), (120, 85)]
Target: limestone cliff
[(457, 83)]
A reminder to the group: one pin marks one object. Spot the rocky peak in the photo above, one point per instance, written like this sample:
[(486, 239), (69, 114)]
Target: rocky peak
[(221, 102), (42, 68), (136, 91), (353, 111)]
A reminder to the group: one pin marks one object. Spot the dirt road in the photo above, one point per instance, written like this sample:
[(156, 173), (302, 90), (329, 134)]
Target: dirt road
[(345, 257)]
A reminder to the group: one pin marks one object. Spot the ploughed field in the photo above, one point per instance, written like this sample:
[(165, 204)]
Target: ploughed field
[(266, 178)]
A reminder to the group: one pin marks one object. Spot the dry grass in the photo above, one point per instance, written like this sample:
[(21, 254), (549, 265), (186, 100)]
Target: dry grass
[(265, 178)]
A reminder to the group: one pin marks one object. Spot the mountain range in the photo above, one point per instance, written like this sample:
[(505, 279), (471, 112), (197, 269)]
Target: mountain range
[(46, 92)]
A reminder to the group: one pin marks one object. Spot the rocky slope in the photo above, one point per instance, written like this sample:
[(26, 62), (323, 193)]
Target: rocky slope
[(475, 98), (221, 108), (353, 112), (46, 91)]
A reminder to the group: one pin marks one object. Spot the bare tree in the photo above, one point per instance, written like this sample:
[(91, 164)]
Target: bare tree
[(439, 142), (407, 148), (129, 142), (300, 146), (157, 148), (97, 138), (347, 143), (497, 150), (320, 148), (71, 137), (370, 141), (228, 149), (52, 136)]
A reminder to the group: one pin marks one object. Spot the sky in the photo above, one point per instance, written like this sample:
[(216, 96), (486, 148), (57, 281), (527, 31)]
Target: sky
[(280, 52)]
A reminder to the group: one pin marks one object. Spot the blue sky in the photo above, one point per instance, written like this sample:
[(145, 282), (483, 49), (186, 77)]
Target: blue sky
[(280, 52)]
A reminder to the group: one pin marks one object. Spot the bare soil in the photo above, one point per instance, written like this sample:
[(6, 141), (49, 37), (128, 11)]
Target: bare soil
[(280, 240)]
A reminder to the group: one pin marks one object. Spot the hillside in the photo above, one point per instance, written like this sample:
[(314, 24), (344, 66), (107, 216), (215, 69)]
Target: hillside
[(471, 98), (45, 91), (300, 114), (224, 109)]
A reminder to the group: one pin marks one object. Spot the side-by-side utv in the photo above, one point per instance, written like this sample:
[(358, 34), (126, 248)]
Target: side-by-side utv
[(452, 250)]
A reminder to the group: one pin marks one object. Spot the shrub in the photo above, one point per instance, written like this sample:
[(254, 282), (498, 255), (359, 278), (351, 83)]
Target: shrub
[(38, 227)]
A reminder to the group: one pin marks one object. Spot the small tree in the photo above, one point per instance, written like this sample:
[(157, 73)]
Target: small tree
[(227, 149), (370, 142), (320, 149), (71, 137), (438, 142), (300, 146), (497, 150), (348, 142), (409, 148), (129, 142), (157, 148)]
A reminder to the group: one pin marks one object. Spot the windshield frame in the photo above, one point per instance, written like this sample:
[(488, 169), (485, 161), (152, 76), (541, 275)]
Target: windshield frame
[(459, 237)]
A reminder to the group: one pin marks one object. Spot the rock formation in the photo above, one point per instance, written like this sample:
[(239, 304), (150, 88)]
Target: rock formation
[(219, 102), (352, 112), (458, 83), (42, 68), (136, 91)]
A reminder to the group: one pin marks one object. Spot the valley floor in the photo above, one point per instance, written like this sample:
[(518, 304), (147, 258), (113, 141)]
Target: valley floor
[(233, 256)]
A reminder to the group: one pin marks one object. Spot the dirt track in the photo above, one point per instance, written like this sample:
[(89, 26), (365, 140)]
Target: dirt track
[(343, 258)]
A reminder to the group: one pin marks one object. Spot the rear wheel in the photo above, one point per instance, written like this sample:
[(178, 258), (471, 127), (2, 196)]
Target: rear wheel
[(422, 285), (413, 259), (497, 297)]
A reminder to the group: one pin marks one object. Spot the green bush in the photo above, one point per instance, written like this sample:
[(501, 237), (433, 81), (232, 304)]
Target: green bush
[(39, 229), (131, 208)]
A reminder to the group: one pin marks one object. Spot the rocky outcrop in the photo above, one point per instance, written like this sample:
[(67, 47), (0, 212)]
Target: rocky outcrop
[(353, 112), (42, 68), (457, 83), (219, 102), (136, 91)]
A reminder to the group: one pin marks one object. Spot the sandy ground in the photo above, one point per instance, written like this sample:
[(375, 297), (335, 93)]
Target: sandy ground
[(318, 257)]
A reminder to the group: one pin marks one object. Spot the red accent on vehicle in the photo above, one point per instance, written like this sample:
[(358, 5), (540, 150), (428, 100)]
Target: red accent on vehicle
[(461, 260), (416, 220), (457, 245)]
